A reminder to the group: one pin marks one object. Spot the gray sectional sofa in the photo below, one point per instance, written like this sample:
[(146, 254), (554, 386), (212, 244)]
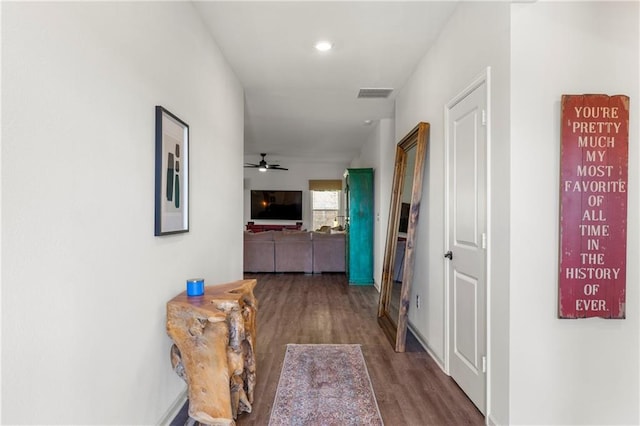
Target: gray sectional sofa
[(294, 251)]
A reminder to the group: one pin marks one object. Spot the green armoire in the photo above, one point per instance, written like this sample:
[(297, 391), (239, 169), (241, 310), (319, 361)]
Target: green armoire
[(359, 210)]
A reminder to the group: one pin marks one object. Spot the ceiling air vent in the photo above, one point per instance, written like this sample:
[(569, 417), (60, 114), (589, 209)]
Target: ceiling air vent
[(371, 93)]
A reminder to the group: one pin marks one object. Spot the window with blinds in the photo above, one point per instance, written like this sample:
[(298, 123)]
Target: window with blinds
[(325, 203)]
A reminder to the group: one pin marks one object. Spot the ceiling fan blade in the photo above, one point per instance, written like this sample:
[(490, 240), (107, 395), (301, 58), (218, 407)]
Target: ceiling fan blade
[(263, 164)]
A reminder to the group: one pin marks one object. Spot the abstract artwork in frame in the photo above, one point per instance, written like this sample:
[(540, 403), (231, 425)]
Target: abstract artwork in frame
[(172, 174)]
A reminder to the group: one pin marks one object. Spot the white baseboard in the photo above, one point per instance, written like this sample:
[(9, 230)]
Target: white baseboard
[(490, 421), (426, 347), (174, 409)]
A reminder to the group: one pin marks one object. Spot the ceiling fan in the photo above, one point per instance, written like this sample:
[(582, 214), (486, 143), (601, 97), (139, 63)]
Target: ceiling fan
[(263, 166)]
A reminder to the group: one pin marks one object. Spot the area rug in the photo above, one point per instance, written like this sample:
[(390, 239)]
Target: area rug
[(324, 385)]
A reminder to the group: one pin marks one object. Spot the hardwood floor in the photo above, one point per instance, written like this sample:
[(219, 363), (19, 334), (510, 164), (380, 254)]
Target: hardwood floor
[(296, 308)]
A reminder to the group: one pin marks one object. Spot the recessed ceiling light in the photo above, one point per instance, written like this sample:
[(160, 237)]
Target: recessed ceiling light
[(323, 46), (367, 122)]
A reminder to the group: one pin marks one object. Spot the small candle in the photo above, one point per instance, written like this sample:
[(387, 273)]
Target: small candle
[(195, 287)]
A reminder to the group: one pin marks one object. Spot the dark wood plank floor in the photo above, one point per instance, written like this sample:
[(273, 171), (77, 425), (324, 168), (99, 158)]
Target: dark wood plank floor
[(296, 308)]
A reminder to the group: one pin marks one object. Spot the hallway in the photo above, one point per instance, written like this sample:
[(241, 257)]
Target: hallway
[(295, 308)]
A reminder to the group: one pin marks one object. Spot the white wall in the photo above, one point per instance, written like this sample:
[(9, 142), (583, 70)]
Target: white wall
[(385, 171), (464, 49), (296, 178), (567, 371), (84, 281)]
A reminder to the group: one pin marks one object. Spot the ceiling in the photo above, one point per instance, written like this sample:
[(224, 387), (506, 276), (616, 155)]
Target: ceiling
[(301, 103)]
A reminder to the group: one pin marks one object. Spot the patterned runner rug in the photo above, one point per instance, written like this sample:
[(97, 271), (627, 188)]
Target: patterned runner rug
[(324, 385)]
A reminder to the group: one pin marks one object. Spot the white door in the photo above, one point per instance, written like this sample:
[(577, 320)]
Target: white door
[(465, 254)]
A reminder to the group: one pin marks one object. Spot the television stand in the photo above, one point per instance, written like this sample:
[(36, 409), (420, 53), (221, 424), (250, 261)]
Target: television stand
[(252, 227)]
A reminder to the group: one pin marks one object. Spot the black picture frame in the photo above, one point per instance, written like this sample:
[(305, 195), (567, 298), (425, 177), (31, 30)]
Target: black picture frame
[(171, 174)]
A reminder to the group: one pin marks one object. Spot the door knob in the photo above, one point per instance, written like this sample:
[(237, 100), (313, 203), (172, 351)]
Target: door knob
[(449, 255)]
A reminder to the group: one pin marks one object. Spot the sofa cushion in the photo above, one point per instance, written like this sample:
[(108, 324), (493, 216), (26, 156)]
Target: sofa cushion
[(292, 236), (327, 235), (253, 236), (259, 252), (293, 252), (328, 252)]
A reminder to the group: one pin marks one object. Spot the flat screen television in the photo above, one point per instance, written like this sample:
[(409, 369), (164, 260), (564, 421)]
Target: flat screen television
[(276, 205)]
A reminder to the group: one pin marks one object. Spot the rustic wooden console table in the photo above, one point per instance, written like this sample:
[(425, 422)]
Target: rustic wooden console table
[(214, 339)]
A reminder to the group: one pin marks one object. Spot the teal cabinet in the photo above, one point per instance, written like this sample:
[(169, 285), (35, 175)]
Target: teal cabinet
[(359, 209)]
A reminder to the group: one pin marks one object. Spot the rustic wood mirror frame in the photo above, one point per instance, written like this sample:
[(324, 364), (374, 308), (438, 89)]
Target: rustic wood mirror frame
[(396, 328)]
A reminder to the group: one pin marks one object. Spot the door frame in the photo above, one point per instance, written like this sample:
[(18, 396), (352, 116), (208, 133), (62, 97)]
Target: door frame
[(483, 78)]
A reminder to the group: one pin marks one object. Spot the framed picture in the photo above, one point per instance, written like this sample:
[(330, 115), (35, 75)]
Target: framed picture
[(172, 174)]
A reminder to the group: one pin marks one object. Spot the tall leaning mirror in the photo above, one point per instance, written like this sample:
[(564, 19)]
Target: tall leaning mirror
[(397, 270)]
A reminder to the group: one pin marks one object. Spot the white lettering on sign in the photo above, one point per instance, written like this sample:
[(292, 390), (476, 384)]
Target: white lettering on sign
[(594, 230), (593, 216), (596, 112), (591, 289), (594, 171), (596, 142), (591, 305), (582, 273), (595, 200), (592, 258), (595, 185), (591, 156), (591, 127)]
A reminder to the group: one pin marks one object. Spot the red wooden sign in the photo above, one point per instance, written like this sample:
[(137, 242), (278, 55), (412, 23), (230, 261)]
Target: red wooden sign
[(593, 206)]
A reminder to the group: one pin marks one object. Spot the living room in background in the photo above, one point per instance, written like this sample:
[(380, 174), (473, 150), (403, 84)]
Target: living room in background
[(325, 204)]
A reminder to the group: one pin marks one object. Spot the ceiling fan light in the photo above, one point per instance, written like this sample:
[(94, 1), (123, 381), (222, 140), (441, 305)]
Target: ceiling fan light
[(263, 166)]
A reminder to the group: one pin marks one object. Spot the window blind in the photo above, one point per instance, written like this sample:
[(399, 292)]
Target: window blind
[(325, 185)]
